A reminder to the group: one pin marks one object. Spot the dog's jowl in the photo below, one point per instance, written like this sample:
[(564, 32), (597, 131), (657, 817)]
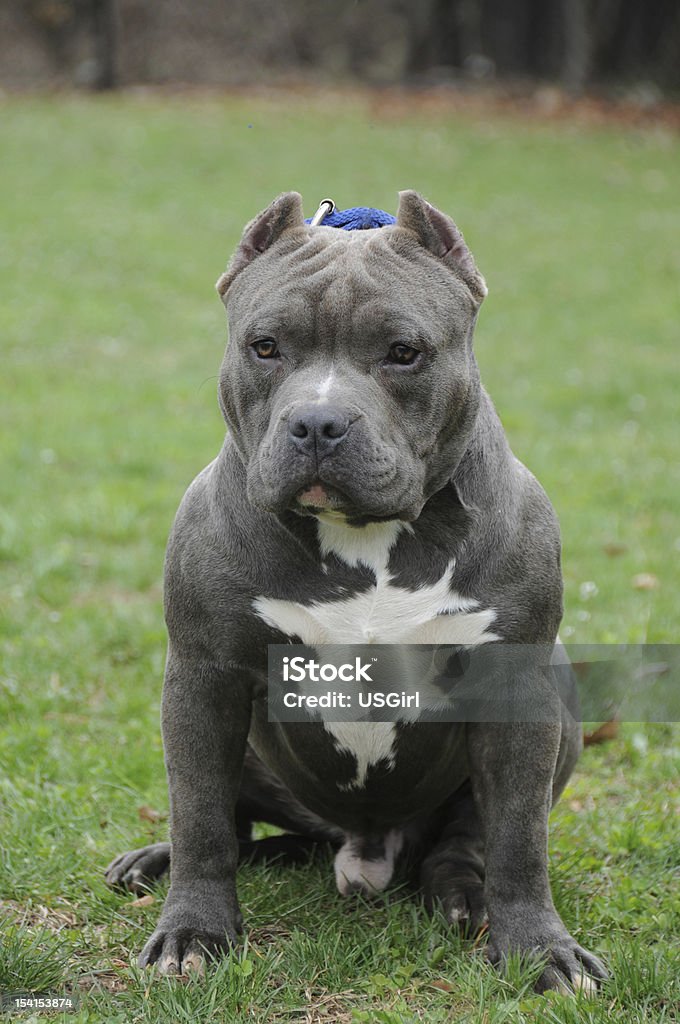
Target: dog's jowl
[(365, 493)]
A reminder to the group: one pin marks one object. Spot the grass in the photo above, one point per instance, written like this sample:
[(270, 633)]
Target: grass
[(118, 215)]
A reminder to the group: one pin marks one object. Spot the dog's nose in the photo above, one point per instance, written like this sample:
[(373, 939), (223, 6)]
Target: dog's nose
[(318, 428)]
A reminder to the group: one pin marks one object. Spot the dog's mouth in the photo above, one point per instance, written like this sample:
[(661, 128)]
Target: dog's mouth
[(320, 497)]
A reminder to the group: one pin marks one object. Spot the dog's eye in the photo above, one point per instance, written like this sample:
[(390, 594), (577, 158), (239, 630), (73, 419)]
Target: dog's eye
[(265, 348), (404, 355)]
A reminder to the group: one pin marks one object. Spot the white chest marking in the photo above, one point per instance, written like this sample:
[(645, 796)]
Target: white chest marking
[(382, 614)]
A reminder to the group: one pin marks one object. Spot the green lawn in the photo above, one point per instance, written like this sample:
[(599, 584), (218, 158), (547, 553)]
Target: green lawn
[(117, 216)]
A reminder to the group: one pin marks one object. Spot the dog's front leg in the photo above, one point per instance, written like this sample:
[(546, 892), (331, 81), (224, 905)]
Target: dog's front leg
[(512, 765), (205, 715)]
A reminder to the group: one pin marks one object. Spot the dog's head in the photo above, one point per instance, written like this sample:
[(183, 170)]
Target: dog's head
[(349, 384)]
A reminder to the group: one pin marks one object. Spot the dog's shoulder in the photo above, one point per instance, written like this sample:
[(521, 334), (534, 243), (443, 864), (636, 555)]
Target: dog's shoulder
[(209, 558), (512, 557)]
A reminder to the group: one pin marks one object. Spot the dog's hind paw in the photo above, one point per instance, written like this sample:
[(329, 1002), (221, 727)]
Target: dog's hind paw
[(454, 885)]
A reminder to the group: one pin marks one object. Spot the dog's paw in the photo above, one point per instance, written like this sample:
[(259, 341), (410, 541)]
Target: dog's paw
[(568, 966), (457, 890), (199, 921), (577, 966), (459, 897), (183, 950), (137, 870)]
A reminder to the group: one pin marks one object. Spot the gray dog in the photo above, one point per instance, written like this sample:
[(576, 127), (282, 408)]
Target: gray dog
[(365, 493)]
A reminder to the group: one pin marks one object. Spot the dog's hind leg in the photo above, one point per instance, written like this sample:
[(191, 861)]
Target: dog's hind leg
[(263, 797), (452, 873)]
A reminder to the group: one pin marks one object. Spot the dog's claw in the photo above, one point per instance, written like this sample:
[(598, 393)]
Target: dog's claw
[(584, 983)]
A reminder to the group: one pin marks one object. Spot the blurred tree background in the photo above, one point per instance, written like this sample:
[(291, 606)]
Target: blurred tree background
[(579, 44)]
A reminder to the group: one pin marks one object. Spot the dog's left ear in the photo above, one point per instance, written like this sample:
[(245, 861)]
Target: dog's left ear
[(284, 213), (439, 234)]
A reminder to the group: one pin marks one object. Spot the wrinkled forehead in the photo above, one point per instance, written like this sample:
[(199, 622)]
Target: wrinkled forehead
[(358, 278)]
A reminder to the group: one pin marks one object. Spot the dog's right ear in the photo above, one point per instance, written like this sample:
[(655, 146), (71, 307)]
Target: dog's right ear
[(281, 215)]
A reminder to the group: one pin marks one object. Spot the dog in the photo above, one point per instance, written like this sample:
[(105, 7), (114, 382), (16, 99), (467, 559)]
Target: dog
[(365, 492)]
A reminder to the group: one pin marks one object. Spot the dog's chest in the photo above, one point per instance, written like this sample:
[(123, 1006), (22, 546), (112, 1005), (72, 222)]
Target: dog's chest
[(382, 613)]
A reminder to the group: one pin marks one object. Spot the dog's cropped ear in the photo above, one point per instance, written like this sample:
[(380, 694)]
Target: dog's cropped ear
[(439, 234), (284, 213)]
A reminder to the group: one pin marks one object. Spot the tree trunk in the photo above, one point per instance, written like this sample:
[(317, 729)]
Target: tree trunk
[(577, 44), (104, 23)]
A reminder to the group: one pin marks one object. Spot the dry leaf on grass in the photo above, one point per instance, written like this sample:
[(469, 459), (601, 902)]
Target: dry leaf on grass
[(445, 986), (645, 581), (614, 548), (603, 734), (143, 901), (147, 813)]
